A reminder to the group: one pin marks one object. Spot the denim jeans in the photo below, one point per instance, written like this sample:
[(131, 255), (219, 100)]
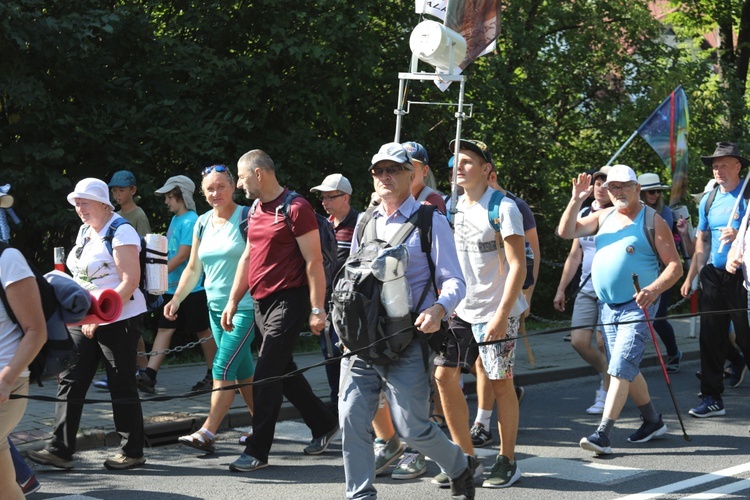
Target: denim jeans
[(625, 343)]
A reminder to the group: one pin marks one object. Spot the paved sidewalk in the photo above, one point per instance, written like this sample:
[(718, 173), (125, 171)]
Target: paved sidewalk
[(554, 360)]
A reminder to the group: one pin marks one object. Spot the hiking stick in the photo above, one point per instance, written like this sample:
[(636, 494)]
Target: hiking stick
[(661, 361)]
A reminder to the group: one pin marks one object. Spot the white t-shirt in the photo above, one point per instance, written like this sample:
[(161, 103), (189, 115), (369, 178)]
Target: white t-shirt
[(95, 267), (13, 268), (478, 255)]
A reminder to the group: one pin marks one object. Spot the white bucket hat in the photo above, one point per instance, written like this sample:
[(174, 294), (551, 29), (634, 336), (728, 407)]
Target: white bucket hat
[(651, 181), (91, 189)]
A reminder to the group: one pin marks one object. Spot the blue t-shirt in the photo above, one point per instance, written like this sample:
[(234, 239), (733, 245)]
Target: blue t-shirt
[(620, 252), (180, 233), (220, 251), (718, 216)]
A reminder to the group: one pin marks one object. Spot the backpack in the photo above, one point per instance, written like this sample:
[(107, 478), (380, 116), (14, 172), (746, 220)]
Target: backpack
[(153, 301), (357, 312), (58, 353), (328, 244), (712, 194), (648, 223)]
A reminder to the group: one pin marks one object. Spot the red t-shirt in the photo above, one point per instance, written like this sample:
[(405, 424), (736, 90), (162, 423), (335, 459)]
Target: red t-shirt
[(276, 262)]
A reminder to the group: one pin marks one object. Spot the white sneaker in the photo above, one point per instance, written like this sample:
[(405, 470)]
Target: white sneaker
[(598, 407)]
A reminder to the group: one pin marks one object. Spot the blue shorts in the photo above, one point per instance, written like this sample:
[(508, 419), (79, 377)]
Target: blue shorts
[(625, 343)]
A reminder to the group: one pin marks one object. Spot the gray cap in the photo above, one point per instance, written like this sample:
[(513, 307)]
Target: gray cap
[(334, 182), (187, 188)]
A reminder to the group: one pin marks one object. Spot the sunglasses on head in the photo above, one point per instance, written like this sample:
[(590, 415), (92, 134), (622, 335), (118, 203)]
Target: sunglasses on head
[(217, 168)]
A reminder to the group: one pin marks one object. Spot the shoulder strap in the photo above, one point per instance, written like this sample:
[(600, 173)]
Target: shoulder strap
[(367, 216), (606, 218), (3, 297), (426, 191), (111, 230), (493, 210), (285, 204), (244, 220), (648, 221), (710, 199)]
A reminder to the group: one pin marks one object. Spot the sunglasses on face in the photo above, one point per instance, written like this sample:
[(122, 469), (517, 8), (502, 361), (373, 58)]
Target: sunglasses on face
[(653, 191), (392, 170)]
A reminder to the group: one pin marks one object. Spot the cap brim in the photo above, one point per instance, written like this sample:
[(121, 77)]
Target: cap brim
[(471, 147), (378, 158), (322, 189)]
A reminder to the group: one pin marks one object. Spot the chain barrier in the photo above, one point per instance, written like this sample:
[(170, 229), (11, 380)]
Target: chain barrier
[(348, 354)]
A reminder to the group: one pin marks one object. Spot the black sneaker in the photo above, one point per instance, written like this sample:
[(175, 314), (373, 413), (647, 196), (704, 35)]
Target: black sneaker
[(463, 488), (318, 445), (520, 393), (673, 362), (737, 374), (648, 430), (204, 385), (480, 436), (597, 442), (145, 383)]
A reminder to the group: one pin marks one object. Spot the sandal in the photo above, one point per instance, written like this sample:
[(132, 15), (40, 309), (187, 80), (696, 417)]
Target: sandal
[(199, 441), (438, 420)]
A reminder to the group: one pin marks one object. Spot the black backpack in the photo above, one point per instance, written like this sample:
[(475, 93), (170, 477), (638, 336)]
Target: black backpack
[(153, 301), (328, 245), (357, 312), (57, 354)]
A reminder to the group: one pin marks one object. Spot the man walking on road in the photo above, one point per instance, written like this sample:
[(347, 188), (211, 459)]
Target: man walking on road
[(622, 249), (283, 273)]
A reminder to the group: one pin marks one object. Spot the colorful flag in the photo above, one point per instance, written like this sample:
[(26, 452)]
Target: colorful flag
[(666, 131)]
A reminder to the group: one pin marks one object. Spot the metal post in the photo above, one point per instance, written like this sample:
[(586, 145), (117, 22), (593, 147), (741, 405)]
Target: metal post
[(399, 110), (456, 149)]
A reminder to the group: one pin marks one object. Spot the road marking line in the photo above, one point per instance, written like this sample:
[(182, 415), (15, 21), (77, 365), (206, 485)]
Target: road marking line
[(689, 483), (727, 489)]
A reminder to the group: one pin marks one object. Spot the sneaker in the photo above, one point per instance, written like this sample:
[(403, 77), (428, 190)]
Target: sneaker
[(673, 362), (597, 442), (503, 473), (246, 463), (480, 436), (319, 445), (648, 430), (145, 383), (598, 407), (709, 407), (121, 462), (46, 457), (738, 372), (462, 488), (387, 452), (520, 393), (411, 465), (443, 481), (101, 384), (31, 485), (204, 385)]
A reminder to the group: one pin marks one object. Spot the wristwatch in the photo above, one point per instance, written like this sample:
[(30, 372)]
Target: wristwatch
[(315, 310)]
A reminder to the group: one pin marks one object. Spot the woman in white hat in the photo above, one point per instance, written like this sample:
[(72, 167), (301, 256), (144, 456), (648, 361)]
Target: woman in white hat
[(652, 195), (95, 266)]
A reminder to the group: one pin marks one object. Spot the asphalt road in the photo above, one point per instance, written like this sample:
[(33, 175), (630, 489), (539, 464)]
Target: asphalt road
[(715, 464)]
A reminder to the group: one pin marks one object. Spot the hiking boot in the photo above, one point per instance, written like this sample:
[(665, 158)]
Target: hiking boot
[(411, 465), (318, 445), (673, 362), (46, 457), (597, 442), (443, 481), (503, 473), (598, 407), (462, 488), (121, 462), (480, 436), (246, 463), (709, 407), (520, 393), (387, 452), (204, 385), (145, 383), (648, 430), (737, 374), (101, 384)]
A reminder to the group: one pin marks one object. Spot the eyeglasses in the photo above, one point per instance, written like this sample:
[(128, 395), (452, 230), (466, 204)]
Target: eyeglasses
[(79, 250), (392, 170), (621, 187), (653, 191), (217, 168), (329, 198)]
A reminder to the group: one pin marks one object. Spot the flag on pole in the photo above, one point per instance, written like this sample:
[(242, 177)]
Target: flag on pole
[(666, 131)]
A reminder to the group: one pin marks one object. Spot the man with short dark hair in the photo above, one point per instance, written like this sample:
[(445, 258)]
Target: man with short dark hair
[(720, 290), (283, 272), (404, 380), (623, 249)]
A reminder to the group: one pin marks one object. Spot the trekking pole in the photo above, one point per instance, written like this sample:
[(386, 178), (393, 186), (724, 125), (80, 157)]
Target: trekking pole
[(661, 361)]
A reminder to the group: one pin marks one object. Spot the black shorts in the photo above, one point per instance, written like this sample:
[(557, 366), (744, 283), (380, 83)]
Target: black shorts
[(460, 349), (192, 316)]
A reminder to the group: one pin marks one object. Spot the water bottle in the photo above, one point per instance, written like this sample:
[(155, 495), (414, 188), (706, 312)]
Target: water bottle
[(59, 259)]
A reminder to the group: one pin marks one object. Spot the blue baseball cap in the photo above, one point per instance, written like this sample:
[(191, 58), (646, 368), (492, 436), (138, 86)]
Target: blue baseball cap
[(417, 152), (122, 178)]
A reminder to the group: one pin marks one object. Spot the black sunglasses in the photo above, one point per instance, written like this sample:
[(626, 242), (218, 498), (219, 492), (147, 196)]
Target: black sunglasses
[(653, 191), (79, 250)]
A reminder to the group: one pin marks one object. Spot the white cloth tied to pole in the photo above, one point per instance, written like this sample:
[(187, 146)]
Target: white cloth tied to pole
[(156, 264), (390, 268)]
